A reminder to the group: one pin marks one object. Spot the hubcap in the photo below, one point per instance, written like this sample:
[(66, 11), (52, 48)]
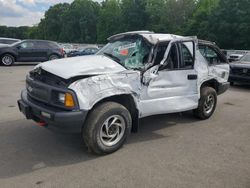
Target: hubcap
[(7, 60), (53, 57), (112, 130), (209, 104)]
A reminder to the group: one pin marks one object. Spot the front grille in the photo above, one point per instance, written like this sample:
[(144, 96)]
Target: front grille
[(48, 78), (241, 71)]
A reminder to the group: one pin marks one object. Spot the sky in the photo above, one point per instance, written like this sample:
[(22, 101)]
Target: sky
[(25, 12)]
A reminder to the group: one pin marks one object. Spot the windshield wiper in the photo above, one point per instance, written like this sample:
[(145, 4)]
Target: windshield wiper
[(113, 57)]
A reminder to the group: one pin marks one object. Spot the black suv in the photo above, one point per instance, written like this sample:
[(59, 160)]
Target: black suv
[(30, 51), (240, 70)]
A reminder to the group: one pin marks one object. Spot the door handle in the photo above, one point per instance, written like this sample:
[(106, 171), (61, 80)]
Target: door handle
[(192, 77)]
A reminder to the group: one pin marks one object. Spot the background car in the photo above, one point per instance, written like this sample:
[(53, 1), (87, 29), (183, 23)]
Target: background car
[(67, 48), (240, 71), (86, 51), (30, 51), (8, 40), (235, 57)]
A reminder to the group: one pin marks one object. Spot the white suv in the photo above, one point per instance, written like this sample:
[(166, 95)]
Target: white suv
[(137, 74)]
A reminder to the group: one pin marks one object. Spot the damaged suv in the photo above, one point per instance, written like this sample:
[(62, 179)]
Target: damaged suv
[(137, 74)]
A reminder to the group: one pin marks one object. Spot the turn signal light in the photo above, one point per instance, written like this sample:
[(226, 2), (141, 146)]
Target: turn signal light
[(69, 100)]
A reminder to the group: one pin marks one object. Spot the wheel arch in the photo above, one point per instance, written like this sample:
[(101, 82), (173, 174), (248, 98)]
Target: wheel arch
[(9, 53), (211, 83), (128, 101)]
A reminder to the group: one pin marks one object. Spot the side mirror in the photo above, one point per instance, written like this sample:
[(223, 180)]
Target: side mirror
[(150, 74)]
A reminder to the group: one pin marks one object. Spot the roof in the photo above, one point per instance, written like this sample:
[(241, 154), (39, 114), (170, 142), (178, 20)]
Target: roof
[(149, 36), (8, 38)]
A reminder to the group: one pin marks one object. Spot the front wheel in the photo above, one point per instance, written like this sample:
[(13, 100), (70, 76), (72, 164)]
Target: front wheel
[(107, 128), (7, 60), (52, 57), (207, 103)]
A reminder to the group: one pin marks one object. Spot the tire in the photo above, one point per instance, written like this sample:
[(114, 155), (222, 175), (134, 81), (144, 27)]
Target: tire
[(7, 60), (52, 57), (98, 131), (207, 103)]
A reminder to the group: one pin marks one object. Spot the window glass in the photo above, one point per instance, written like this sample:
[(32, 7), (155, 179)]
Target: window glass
[(160, 53), (41, 45), (26, 45), (187, 55), (210, 54), (130, 52), (172, 60), (246, 58)]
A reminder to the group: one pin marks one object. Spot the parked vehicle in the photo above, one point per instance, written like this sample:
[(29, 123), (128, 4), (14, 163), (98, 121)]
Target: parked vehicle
[(82, 52), (68, 48), (137, 74), (235, 57), (30, 51), (8, 40), (240, 70)]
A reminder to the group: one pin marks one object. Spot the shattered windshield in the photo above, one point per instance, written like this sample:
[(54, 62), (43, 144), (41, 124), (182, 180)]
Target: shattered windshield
[(132, 53), (246, 58)]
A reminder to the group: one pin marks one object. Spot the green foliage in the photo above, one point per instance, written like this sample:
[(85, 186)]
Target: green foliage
[(226, 22), (109, 20)]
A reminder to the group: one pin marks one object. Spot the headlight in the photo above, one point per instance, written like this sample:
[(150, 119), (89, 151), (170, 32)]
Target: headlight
[(61, 97), (66, 99)]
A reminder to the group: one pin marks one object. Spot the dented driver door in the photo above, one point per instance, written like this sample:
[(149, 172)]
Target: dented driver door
[(172, 85)]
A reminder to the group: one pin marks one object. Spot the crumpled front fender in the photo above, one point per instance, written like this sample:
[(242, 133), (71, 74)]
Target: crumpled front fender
[(91, 90)]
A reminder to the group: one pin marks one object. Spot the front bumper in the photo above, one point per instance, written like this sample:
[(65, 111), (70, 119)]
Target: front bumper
[(239, 78), (223, 87), (55, 118)]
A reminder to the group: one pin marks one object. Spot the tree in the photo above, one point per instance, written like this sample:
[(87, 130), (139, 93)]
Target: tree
[(80, 22), (51, 26), (199, 24), (230, 24), (178, 13), (155, 9), (109, 20), (134, 16)]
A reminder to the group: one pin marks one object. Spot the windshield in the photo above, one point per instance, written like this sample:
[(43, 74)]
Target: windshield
[(132, 53), (246, 58)]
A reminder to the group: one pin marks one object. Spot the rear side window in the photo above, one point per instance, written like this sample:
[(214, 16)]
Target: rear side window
[(53, 45), (187, 55), (41, 45), (211, 54)]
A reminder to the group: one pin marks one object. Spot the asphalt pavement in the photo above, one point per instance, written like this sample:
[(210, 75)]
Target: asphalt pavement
[(174, 150)]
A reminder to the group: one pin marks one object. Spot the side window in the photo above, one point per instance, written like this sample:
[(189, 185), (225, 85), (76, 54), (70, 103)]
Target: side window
[(211, 54), (172, 61), (187, 55), (160, 53), (27, 45), (41, 45)]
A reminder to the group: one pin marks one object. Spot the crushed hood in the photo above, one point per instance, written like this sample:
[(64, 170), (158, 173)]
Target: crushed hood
[(80, 66)]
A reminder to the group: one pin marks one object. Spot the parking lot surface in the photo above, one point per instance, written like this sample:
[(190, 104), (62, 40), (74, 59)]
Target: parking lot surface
[(174, 150)]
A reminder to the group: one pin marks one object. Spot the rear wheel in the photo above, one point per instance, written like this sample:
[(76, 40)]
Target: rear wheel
[(107, 128), (207, 103), (52, 57), (7, 60)]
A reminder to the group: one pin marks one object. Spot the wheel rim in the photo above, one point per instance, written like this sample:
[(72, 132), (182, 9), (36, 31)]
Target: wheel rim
[(112, 130), (7, 60), (53, 57), (209, 104)]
